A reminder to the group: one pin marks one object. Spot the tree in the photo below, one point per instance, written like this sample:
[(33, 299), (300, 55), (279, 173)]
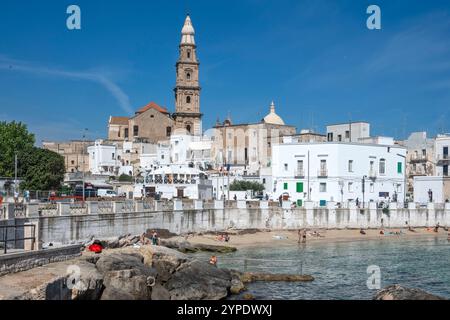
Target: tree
[(14, 137), (42, 170), (242, 185), (125, 178)]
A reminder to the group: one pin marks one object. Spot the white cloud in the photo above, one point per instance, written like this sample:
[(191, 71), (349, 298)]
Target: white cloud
[(94, 76)]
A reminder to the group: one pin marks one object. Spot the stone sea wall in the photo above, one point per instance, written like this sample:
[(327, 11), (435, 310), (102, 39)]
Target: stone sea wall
[(66, 229)]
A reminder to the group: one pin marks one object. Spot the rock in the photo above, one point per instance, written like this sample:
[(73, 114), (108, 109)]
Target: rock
[(397, 292), (129, 284), (89, 285), (160, 293), (248, 296), (237, 286), (195, 280), (117, 261), (110, 243), (187, 247), (247, 277), (163, 259), (162, 233)]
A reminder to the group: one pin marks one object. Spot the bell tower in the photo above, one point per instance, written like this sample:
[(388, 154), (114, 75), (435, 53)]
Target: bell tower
[(187, 90)]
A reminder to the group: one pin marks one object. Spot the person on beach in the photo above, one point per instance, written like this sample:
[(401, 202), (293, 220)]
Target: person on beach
[(361, 231), (155, 239), (213, 261), (436, 229)]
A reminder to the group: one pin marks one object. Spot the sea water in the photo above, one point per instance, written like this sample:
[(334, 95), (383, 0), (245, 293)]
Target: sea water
[(340, 268)]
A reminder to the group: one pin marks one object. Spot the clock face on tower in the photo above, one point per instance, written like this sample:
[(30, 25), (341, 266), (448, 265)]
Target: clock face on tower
[(187, 90)]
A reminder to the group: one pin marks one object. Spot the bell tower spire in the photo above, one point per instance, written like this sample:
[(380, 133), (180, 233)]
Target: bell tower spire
[(187, 90)]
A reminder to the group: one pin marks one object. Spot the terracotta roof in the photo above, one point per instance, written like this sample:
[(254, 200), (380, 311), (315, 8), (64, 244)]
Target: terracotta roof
[(154, 106), (119, 120)]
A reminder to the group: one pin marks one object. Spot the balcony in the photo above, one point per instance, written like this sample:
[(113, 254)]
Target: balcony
[(322, 173), (415, 158), (417, 172), (300, 174), (442, 159), (372, 174)]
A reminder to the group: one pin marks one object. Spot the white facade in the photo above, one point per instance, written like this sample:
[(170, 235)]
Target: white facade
[(348, 132), (188, 149), (103, 159), (335, 171), (173, 181), (442, 146), (422, 186)]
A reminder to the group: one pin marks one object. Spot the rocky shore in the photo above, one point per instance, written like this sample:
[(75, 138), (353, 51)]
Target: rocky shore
[(397, 292), (131, 273)]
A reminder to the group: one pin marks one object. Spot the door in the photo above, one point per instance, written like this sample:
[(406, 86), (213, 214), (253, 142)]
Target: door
[(180, 193)]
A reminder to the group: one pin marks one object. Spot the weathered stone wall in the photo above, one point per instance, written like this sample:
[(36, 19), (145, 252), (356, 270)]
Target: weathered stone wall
[(64, 229), (22, 261)]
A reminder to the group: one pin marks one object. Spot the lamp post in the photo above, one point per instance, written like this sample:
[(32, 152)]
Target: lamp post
[(363, 189), (82, 169)]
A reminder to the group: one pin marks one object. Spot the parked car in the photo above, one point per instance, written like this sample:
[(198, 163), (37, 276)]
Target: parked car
[(105, 193)]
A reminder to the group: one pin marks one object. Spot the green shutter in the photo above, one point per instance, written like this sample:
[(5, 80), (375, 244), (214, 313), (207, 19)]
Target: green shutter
[(285, 186), (323, 203), (399, 167), (299, 203), (299, 187)]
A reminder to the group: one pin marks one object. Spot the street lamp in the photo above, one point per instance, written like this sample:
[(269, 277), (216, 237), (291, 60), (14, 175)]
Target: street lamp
[(83, 167), (363, 189)]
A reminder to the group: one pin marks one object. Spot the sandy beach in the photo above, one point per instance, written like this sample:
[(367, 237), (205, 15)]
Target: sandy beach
[(280, 238)]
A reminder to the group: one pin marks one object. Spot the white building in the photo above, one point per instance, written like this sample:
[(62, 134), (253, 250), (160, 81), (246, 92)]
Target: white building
[(439, 187), (191, 150), (348, 132), (175, 181), (333, 171), (442, 144), (103, 158)]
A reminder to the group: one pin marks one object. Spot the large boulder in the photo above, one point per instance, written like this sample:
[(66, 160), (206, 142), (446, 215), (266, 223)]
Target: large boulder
[(128, 284), (165, 261), (117, 261), (88, 285), (196, 280), (397, 292)]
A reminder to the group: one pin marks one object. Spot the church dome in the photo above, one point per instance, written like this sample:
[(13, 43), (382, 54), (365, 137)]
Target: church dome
[(272, 117)]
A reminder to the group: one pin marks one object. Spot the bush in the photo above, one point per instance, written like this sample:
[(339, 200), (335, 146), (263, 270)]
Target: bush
[(242, 185), (125, 178)]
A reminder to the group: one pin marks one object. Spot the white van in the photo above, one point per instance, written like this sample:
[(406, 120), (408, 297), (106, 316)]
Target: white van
[(105, 193)]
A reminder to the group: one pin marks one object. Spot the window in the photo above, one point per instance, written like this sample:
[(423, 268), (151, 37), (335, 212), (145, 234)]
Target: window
[(118, 133), (300, 167), (350, 187), (382, 166), (323, 187), (330, 136), (189, 54), (73, 162), (339, 137), (188, 99), (424, 152), (347, 134), (299, 187), (112, 156), (323, 164), (399, 167), (126, 132), (350, 165), (188, 128), (424, 168), (162, 156), (372, 187), (285, 186), (264, 180), (135, 131), (188, 76), (168, 131), (445, 171)]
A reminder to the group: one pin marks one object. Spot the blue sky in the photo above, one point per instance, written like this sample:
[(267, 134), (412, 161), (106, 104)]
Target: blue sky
[(316, 59)]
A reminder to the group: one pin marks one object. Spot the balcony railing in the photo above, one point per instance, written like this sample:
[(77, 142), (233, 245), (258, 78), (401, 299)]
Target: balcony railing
[(418, 158), (322, 173), (300, 174), (443, 159)]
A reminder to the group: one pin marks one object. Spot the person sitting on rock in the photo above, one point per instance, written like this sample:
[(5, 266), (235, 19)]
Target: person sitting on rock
[(227, 238), (361, 231)]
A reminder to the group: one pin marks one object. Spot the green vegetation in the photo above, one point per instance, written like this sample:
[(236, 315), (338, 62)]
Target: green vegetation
[(241, 185), (40, 169), (125, 178)]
